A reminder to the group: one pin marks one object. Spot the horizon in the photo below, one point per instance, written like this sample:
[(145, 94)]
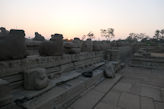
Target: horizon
[(77, 18)]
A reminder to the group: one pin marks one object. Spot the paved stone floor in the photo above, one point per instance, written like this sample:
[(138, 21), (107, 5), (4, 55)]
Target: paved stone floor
[(138, 89)]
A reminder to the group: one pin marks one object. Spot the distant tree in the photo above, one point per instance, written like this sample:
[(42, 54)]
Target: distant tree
[(90, 35), (157, 35), (133, 37), (107, 33), (162, 33)]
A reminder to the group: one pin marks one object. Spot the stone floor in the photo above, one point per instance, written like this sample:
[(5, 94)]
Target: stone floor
[(139, 88)]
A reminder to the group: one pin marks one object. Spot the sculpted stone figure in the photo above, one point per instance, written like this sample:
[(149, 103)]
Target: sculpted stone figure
[(54, 47), (5, 93), (38, 37), (109, 71), (12, 45), (3, 31), (35, 79)]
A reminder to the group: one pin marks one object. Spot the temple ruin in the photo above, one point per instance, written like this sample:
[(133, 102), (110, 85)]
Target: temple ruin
[(57, 74)]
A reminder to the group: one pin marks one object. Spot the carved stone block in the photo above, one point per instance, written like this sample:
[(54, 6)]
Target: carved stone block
[(35, 79)]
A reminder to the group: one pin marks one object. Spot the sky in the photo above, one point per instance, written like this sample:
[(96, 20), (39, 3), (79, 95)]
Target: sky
[(75, 18)]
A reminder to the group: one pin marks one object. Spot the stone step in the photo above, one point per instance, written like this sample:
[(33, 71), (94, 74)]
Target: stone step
[(62, 96), (95, 95)]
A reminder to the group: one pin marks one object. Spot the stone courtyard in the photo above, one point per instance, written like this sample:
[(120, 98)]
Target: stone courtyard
[(138, 88)]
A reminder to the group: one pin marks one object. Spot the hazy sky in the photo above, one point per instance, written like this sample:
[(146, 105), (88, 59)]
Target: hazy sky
[(74, 18)]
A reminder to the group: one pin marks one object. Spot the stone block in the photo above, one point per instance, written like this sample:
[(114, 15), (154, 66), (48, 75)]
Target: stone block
[(87, 46), (12, 45), (109, 71), (71, 48), (54, 47), (5, 93), (35, 79)]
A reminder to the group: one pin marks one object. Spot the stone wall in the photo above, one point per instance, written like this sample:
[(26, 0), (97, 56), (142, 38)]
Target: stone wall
[(13, 70), (119, 53)]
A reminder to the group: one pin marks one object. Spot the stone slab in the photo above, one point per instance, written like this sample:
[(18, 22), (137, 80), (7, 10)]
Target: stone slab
[(106, 106), (159, 105), (112, 97), (123, 86), (93, 97), (87, 101), (151, 92), (129, 101), (147, 103)]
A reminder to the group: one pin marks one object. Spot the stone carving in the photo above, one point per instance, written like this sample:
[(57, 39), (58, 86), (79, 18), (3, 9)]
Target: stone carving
[(12, 45), (87, 46), (3, 31), (54, 47), (5, 93), (35, 79), (109, 71), (38, 37)]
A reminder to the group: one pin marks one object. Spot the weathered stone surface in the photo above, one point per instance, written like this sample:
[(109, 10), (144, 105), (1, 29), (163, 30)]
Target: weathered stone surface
[(102, 105), (5, 93), (32, 47), (12, 45), (97, 46), (129, 101), (151, 92), (38, 37), (87, 46), (78, 42), (3, 31), (71, 48), (112, 55), (116, 65), (123, 87), (52, 48), (87, 101), (112, 97), (109, 71), (35, 79), (147, 103), (159, 105)]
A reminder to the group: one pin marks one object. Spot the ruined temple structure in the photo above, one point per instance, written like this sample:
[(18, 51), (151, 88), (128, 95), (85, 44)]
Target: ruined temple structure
[(57, 74), (38, 37), (12, 44)]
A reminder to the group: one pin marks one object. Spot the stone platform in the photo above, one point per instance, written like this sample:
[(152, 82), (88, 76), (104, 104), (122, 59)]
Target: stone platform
[(139, 88)]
